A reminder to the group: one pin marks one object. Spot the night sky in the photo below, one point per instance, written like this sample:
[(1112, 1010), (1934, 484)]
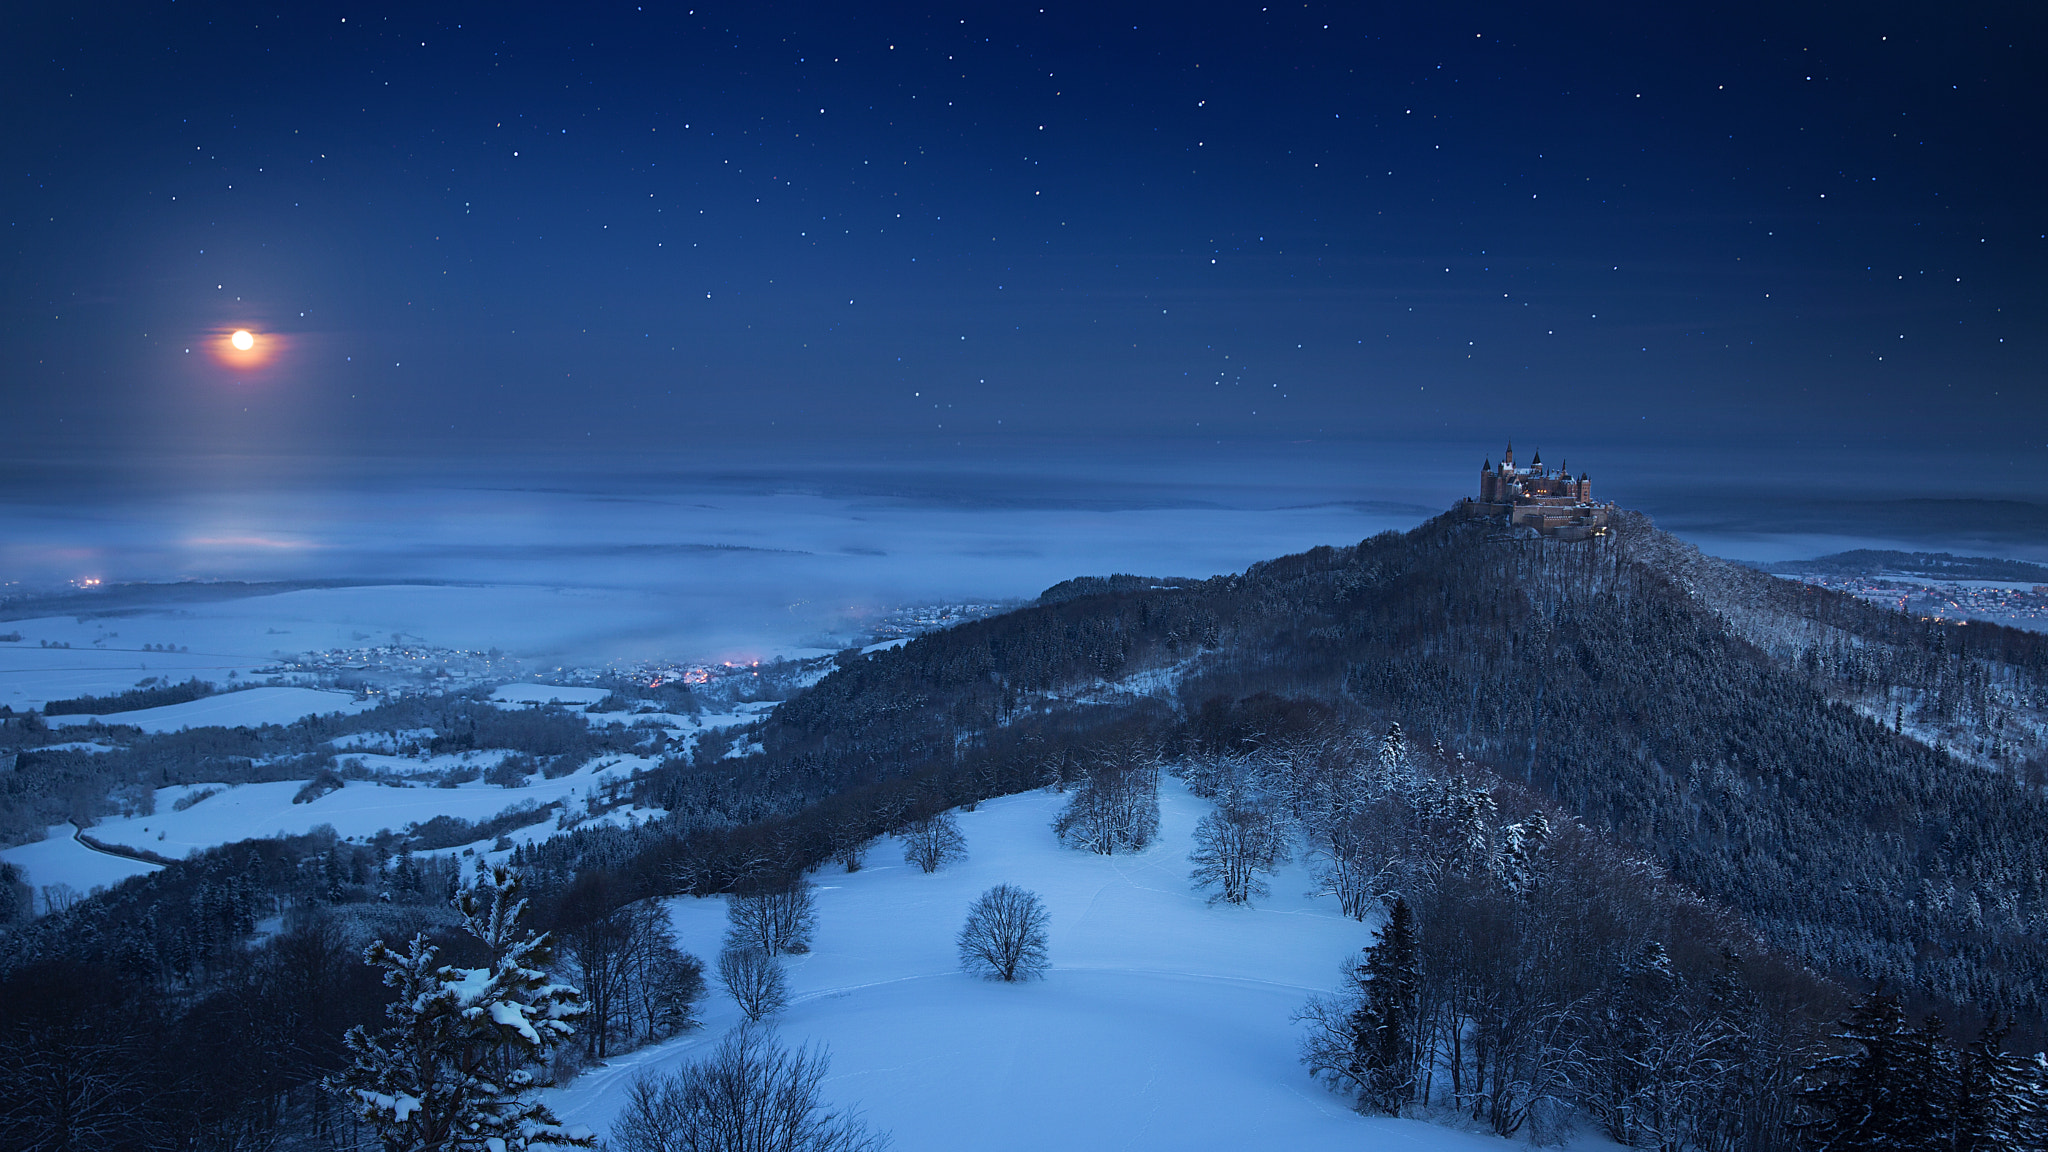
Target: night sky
[(494, 228)]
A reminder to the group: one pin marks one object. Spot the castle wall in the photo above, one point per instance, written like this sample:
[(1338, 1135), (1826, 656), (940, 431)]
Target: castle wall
[(1555, 505)]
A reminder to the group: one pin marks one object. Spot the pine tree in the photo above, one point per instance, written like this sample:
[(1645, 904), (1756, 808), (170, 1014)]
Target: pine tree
[(1862, 1100), (1520, 864), (1383, 1025), (1392, 767), (1993, 1095), (1927, 1079), (453, 1072), (2030, 1112)]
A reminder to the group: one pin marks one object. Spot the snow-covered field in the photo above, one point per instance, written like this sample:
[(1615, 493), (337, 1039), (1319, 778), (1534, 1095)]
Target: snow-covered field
[(362, 808), (548, 694), (249, 811), (252, 707), (1163, 1024), (61, 859), (31, 675), (744, 712)]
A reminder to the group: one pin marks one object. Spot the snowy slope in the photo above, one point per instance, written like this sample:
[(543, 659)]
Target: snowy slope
[(363, 808), (248, 708), (60, 859), (1163, 1024), (250, 811)]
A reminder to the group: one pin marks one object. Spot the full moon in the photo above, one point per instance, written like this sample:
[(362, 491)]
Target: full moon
[(242, 340)]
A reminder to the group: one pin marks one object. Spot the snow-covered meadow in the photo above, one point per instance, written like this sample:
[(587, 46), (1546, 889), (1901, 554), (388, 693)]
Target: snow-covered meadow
[(224, 814), (250, 708), (1163, 1023), (360, 809), (59, 859), (32, 675), (547, 694)]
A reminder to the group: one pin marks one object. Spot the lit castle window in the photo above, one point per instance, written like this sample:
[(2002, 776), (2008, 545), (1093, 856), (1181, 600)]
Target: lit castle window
[(1551, 502)]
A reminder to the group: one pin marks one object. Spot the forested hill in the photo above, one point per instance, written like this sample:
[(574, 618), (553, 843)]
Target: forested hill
[(1710, 717)]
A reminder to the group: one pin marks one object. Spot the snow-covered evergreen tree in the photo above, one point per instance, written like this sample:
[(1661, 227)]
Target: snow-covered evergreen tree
[(1384, 1024), (1520, 864), (1927, 1097), (1992, 1089), (1864, 1099), (1367, 1042), (453, 1073), (1392, 770)]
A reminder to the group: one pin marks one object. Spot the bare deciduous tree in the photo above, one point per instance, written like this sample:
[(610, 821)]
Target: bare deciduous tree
[(1004, 937), (1117, 808), (60, 897), (1234, 846), (72, 1076), (750, 1095), (848, 837), (933, 842), (754, 980), (637, 984), (776, 920)]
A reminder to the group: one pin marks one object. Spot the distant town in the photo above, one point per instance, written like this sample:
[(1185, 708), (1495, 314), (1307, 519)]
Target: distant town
[(2015, 607), (1936, 585), (408, 668)]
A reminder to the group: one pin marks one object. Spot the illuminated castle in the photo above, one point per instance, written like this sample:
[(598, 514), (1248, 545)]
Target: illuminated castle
[(1552, 503)]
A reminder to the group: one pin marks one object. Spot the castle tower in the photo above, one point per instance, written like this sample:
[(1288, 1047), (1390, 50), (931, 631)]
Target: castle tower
[(1549, 501)]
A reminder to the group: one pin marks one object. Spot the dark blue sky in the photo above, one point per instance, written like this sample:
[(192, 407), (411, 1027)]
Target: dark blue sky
[(482, 227)]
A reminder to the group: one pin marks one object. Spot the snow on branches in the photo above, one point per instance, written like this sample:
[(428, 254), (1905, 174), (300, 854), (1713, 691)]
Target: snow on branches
[(453, 1072)]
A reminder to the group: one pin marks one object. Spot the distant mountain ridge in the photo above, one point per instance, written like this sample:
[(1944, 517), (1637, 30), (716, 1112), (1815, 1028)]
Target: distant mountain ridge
[(121, 599), (1922, 565)]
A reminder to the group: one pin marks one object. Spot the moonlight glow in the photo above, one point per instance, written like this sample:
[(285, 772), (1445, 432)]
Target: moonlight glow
[(242, 341)]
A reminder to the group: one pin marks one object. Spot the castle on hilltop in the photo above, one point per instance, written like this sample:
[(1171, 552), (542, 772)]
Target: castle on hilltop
[(1551, 502)]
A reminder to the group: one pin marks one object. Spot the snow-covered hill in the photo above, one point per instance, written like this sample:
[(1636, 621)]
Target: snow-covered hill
[(1164, 1023)]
